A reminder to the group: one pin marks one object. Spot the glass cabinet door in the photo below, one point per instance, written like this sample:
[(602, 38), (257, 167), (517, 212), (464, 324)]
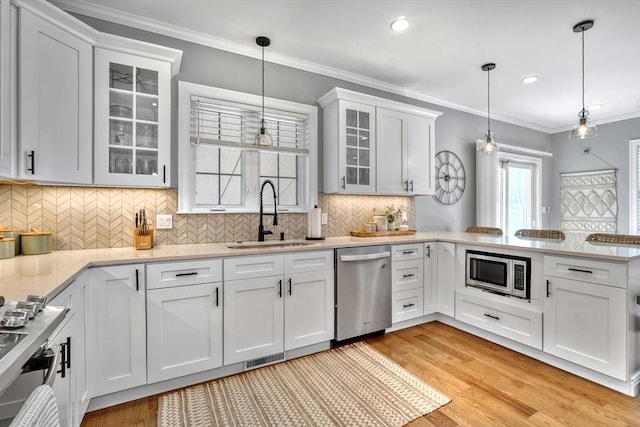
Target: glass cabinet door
[(359, 148), (133, 120)]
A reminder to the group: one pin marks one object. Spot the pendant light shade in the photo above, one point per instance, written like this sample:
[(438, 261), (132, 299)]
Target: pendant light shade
[(262, 137), (584, 128), (489, 146)]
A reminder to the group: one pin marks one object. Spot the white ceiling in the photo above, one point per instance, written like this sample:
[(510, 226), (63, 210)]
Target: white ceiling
[(439, 58)]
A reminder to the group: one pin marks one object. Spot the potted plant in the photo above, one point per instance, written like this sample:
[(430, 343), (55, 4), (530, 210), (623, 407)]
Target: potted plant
[(393, 214)]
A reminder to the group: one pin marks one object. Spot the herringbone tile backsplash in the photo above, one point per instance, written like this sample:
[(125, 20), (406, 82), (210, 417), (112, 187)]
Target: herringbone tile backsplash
[(89, 217)]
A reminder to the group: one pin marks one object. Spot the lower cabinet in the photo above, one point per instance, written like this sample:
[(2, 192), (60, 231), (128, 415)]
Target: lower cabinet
[(430, 273), (585, 323), (446, 274), (64, 386), (407, 283), (508, 320), (116, 329), (184, 318), (265, 316)]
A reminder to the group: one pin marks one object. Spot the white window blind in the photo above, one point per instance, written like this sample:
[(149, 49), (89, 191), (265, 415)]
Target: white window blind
[(219, 123)]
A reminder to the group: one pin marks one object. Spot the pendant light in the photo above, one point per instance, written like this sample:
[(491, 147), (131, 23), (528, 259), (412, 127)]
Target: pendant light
[(262, 137), (584, 128), (489, 145)]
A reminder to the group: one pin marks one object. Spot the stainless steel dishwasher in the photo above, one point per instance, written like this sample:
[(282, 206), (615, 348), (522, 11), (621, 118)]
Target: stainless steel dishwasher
[(363, 291)]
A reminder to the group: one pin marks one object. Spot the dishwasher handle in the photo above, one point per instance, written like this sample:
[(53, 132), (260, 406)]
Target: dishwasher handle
[(365, 257)]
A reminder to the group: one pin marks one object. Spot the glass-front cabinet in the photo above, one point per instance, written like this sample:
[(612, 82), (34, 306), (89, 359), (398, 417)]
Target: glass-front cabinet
[(132, 116)]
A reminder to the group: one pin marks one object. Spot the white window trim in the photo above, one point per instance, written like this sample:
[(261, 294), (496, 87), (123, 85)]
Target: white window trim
[(186, 184), (537, 182), (633, 186)]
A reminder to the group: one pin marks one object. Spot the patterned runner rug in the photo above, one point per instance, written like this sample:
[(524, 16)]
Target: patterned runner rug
[(353, 385)]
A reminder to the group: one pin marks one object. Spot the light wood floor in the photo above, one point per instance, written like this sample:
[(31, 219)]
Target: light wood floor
[(489, 386)]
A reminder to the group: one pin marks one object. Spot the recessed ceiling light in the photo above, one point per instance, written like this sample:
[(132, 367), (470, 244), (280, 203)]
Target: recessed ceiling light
[(399, 24), (529, 79), (594, 107)]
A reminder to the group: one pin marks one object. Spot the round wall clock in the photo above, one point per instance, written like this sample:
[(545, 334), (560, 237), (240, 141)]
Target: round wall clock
[(450, 178)]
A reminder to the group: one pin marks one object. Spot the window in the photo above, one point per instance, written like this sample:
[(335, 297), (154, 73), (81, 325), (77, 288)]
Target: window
[(519, 199), (220, 168), (634, 181)]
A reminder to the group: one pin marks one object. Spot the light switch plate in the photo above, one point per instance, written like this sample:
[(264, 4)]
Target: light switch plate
[(324, 218), (164, 222)]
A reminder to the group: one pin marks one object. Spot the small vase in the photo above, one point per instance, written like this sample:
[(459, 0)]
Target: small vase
[(381, 222)]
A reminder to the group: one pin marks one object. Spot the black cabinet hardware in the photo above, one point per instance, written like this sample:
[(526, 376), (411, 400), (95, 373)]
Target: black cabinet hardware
[(406, 185), (32, 155), (428, 251), (290, 285), (408, 305), (408, 275), (192, 273), (411, 186), (548, 289), (217, 297), (137, 280), (280, 288), (344, 182), (492, 316), (408, 252), (579, 270)]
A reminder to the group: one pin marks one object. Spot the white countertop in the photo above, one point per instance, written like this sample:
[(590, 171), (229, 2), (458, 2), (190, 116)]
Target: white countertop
[(48, 274)]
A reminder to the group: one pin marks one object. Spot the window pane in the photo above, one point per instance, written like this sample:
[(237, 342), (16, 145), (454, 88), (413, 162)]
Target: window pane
[(207, 159), (352, 175), (364, 120), (268, 164), (364, 157), (352, 156), (287, 192), (230, 161), (352, 118), (519, 196), (230, 190), (288, 166), (364, 176), (207, 190), (364, 138)]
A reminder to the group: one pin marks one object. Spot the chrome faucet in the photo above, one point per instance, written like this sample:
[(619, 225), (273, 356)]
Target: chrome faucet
[(261, 231)]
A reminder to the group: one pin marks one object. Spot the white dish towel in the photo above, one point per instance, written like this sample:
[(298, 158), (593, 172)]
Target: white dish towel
[(40, 409)]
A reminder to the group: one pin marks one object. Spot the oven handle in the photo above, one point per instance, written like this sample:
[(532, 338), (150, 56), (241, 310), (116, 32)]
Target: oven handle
[(365, 257), (53, 366)]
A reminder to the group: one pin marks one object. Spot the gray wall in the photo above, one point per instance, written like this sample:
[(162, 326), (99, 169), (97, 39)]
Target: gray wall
[(612, 145), (455, 131)]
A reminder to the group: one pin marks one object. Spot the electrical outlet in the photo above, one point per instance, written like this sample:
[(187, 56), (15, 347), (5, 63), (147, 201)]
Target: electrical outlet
[(164, 222), (324, 218)]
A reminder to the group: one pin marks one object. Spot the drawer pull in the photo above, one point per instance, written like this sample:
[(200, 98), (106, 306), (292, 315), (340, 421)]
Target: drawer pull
[(408, 275), (580, 270), (408, 252), (548, 289), (193, 273), (492, 316), (408, 305)]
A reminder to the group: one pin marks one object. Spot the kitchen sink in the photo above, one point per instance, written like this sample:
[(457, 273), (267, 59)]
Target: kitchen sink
[(269, 244)]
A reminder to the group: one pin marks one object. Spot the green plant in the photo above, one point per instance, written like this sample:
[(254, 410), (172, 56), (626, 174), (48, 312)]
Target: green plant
[(392, 212)]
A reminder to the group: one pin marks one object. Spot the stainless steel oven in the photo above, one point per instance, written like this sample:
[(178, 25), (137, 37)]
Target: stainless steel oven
[(499, 273)]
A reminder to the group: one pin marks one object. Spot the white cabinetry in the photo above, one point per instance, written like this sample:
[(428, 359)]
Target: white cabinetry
[(184, 318), (8, 80), (271, 306), (407, 264), (430, 274), (405, 152), (446, 259), (133, 111), (585, 313), (116, 329), (370, 145), (56, 95), (70, 386)]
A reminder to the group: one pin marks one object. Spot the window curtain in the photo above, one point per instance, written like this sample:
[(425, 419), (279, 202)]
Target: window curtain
[(487, 191)]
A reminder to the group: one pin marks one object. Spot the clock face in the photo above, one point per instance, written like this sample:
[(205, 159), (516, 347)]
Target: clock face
[(450, 178)]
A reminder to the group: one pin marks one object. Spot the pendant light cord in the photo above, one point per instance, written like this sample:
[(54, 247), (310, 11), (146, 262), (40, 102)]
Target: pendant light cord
[(262, 124), (488, 101), (583, 69)]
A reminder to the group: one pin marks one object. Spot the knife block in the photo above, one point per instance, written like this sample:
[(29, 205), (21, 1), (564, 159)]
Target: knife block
[(143, 241)]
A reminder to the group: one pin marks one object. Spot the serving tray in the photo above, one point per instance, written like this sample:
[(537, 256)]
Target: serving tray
[(361, 233)]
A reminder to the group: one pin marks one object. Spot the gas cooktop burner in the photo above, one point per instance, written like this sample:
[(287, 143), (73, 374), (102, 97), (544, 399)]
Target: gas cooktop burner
[(8, 340)]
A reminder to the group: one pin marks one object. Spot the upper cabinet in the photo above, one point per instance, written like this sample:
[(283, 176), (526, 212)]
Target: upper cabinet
[(133, 111), (55, 90), (376, 146), (8, 102)]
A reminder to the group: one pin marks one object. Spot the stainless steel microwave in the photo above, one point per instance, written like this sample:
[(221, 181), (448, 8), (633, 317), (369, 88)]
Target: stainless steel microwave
[(499, 273)]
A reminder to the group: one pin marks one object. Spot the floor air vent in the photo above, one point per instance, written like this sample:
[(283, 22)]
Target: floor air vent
[(267, 360)]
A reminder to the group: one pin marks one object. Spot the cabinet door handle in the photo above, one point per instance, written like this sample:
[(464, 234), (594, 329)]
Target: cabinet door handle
[(63, 363), (217, 296), (492, 316), (344, 182), (408, 305), (191, 273), (164, 174), (137, 281), (405, 184), (428, 247), (290, 285), (580, 270), (408, 275), (32, 155), (411, 186), (280, 288), (548, 289), (68, 347)]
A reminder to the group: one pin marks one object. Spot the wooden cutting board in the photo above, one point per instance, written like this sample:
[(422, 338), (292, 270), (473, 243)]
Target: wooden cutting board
[(361, 233)]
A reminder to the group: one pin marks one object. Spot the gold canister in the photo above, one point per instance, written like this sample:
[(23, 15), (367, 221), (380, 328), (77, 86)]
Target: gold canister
[(12, 233), (7, 247), (36, 242)]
